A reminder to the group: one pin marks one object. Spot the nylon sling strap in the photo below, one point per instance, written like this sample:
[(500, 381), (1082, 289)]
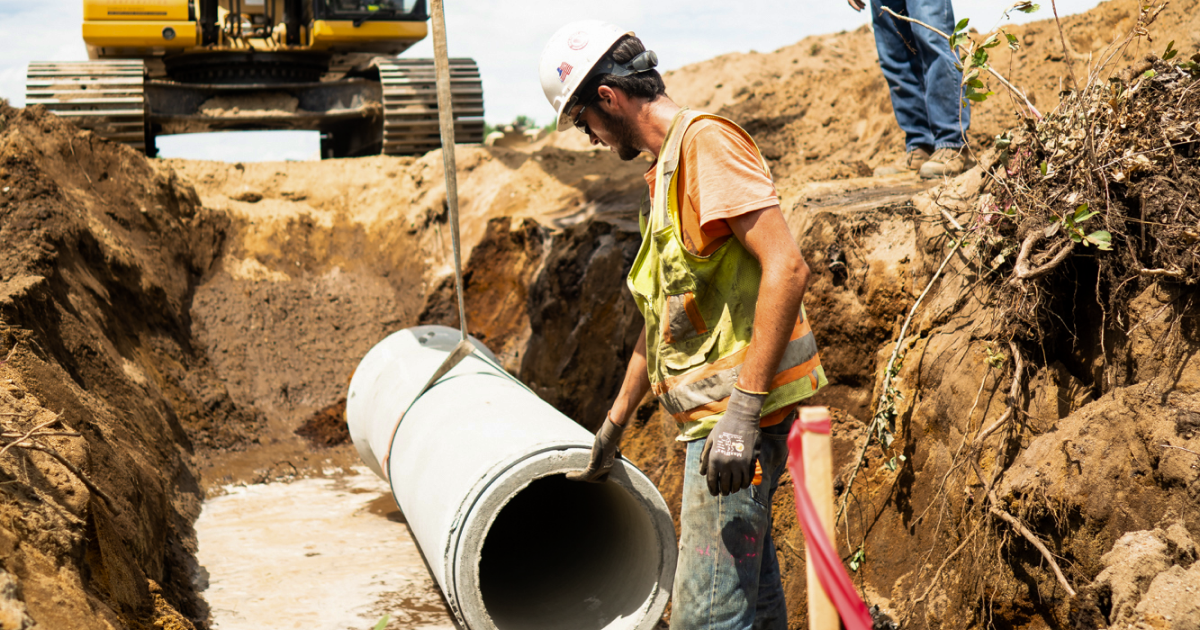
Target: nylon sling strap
[(464, 348)]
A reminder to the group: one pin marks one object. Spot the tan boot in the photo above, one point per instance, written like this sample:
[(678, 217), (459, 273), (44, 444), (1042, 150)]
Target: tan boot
[(946, 163), (910, 163)]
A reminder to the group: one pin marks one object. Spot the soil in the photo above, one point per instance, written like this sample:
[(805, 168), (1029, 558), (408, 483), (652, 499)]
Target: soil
[(270, 104), (327, 427), (169, 327)]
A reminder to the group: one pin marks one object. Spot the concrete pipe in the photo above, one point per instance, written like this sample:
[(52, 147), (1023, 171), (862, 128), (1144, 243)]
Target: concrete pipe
[(477, 466)]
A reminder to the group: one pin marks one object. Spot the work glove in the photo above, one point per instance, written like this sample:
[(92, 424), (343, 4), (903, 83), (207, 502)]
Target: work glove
[(732, 447), (604, 453)]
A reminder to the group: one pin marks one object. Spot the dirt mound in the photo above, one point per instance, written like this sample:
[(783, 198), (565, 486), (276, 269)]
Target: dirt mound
[(103, 253)]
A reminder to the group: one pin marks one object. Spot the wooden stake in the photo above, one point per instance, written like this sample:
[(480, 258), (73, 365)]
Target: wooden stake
[(818, 479)]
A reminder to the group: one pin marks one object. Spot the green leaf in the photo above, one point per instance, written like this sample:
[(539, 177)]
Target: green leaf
[(1028, 8), (1149, 74), (1075, 236), (979, 97), (980, 58), (857, 560), (1082, 214), (976, 83), (890, 464), (1012, 41), (990, 42), (383, 622), (1170, 52), (962, 25), (1101, 239), (1043, 168)]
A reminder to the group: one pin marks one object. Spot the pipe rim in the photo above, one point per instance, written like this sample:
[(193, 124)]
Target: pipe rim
[(501, 489)]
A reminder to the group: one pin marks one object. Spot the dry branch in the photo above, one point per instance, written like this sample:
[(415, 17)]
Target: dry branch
[(29, 433), (93, 488), (995, 509), (25, 441)]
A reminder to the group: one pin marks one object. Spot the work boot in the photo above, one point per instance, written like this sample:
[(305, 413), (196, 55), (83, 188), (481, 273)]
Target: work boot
[(910, 163), (946, 162)]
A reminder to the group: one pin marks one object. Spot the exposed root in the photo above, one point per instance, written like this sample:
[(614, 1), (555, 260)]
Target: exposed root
[(1022, 270), (995, 509), (25, 441), (938, 574)]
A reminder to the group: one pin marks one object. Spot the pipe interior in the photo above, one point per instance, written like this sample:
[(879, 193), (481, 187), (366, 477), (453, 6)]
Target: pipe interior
[(565, 554)]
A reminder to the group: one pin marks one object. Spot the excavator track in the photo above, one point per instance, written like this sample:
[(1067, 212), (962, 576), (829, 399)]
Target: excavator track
[(410, 109), (105, 97)]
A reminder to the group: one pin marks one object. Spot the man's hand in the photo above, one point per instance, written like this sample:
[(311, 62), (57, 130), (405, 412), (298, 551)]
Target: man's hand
[(857, 5), (604, 453), (733, 445)]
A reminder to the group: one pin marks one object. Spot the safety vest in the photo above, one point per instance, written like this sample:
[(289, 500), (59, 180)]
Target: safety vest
[(699, 310)]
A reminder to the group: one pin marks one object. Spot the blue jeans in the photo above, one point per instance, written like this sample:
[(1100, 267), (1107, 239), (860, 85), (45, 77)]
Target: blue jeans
[(728, 576), (919, 67)]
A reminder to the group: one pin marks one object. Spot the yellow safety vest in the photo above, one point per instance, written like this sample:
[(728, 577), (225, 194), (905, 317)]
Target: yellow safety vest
[(699, 310)]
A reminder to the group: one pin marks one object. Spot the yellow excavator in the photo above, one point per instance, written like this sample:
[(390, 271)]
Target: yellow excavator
[(160, 67)]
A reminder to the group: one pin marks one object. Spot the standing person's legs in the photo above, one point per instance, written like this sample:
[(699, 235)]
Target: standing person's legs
[(943, 91), (719, 577), (904, 73)]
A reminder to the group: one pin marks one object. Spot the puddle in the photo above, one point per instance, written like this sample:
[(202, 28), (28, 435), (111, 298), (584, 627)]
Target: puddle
[(314, 554)]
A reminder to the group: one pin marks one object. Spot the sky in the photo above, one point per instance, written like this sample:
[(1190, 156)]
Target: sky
[(505, 38)]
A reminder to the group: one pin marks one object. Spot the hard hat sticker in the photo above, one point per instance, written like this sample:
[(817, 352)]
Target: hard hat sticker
[(578, 41), (563, 71)]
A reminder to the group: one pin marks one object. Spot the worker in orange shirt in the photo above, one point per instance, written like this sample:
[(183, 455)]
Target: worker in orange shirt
[(727, 347)]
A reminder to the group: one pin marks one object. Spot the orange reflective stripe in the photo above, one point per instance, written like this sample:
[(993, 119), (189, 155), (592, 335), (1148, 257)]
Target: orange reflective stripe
[(792, 374), (693, 313), (666, 320), (737, 358), (701, 412)]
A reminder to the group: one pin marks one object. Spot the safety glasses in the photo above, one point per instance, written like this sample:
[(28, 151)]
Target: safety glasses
[(580, 123)]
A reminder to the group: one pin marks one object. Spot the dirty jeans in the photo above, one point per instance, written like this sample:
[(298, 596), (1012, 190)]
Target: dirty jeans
[(919, 67), (728, 577)]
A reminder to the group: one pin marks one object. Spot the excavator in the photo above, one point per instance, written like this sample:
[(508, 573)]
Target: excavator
[(160, 67)]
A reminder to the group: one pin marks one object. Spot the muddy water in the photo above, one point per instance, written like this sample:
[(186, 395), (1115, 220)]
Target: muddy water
[(322, 553)]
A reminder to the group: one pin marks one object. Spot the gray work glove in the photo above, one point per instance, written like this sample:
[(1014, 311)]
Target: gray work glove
[(732, 447), (604, 453)]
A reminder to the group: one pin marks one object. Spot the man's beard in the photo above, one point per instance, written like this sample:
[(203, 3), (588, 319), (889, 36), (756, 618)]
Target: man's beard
[(625, 139)]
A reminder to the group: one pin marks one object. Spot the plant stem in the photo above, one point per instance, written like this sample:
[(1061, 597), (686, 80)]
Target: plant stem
[(1011, 88), (887, 378)]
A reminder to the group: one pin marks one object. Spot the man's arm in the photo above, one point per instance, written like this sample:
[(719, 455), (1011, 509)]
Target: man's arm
[(635, 385), (784, 278)]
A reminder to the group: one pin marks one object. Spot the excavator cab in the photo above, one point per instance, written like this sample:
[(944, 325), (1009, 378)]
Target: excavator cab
[(162, 67)]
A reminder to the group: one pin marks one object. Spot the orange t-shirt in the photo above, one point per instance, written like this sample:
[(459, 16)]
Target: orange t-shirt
[(720, 177)]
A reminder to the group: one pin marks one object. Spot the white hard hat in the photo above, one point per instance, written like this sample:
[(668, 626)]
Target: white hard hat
[(569, 58)]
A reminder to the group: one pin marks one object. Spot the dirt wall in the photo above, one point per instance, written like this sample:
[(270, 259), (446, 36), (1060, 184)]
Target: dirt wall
[(103, 252)]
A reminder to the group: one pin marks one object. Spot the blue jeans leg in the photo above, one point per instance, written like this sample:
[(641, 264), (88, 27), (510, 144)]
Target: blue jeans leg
[(728, 576), (920, 71)]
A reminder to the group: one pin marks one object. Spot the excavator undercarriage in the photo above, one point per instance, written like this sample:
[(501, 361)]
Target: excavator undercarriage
[(330, 78)]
